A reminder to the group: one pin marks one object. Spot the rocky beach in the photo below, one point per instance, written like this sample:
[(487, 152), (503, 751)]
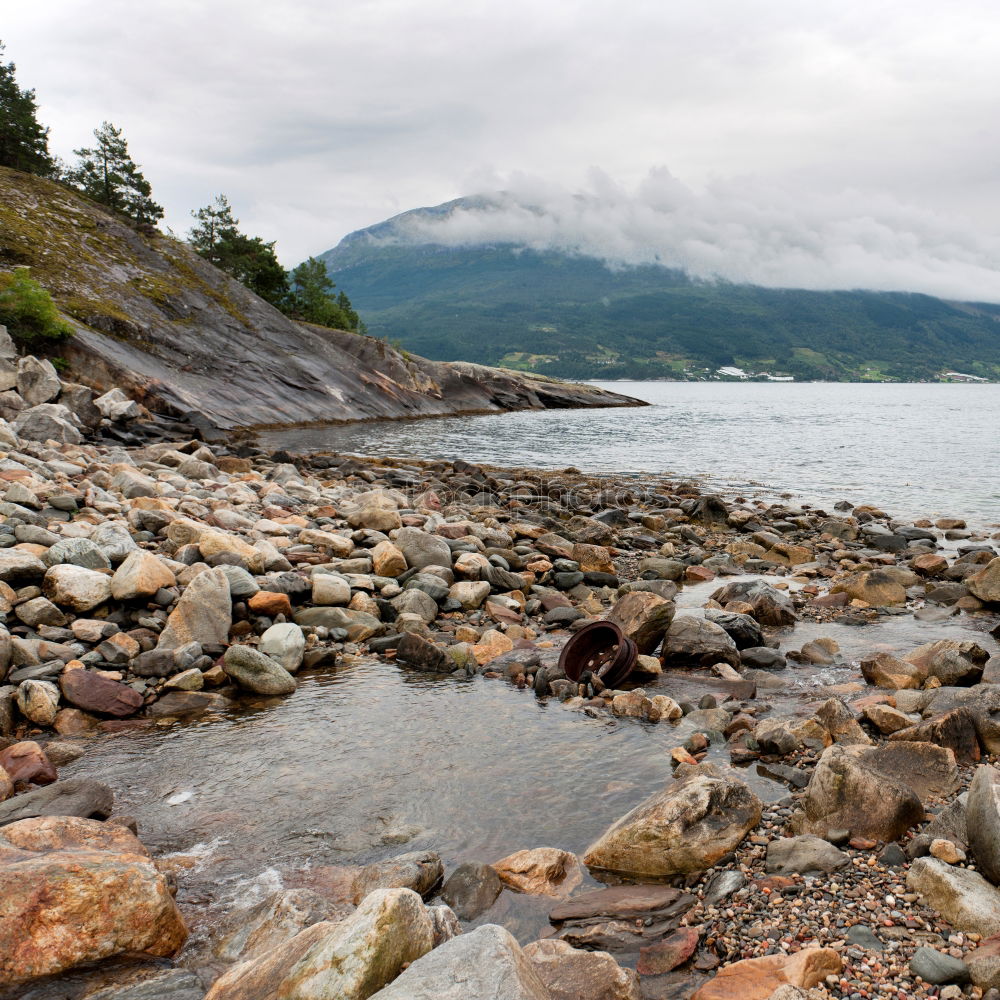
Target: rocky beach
[(831, 827)]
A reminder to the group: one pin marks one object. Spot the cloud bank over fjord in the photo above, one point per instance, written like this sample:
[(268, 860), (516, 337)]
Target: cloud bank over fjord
[(736, 230)]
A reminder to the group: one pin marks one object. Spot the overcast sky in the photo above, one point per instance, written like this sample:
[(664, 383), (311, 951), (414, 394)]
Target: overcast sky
[(828, 143)]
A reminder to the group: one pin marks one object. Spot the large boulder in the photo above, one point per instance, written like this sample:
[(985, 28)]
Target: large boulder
[(81, 797), (421, 549), (685, 828), (485, 963), (48, 421), (75, 891), (37, 380), (887, 671), (955, 729), (573, 974), (141, 575), (846, 793), (75, 587), (93, 692), (951, 661), (759, 978), (963, 897), (876, 588), (692, 641), (204, 614), (986, 583), (769, 605), (257, 673), (350, 960), (982, 819), (284, 643), (471, 889), (644, 618)]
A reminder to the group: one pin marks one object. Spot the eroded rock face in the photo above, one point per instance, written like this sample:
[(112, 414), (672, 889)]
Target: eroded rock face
[(74, 891), (350, 960), (486, 962), (685, 828)]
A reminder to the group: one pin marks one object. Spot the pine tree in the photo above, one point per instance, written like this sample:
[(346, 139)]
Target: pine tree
[(249, 259), (312, 298), (24, 143), (110, 176)]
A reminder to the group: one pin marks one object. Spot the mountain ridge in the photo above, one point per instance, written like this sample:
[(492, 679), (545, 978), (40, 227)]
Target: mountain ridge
[(570, 315)]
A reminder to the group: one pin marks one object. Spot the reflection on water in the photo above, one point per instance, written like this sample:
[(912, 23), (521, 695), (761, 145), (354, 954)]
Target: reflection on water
[(917, 450)]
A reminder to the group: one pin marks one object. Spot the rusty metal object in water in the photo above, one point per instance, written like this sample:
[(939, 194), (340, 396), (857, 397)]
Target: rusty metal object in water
[(602, 649)]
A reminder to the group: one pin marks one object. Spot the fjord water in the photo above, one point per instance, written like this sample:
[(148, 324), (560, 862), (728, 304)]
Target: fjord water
[(914, 449)]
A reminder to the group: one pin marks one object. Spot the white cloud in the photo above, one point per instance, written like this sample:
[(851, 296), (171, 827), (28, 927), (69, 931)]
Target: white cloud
[(318, 118), (738, 230)]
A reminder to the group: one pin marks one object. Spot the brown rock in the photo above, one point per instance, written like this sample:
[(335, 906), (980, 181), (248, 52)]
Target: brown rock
[(27, 764), (930, 564), (540, 871), (986, 583), (666, 955), (955, 730), (685, 828), (75, 891), (593, 558), (572, 974), (838, 720), (93, 692), (875, 588), (644, 618), (888, 671), (758, 978), (846, 792), (387, 560), (268, 604)]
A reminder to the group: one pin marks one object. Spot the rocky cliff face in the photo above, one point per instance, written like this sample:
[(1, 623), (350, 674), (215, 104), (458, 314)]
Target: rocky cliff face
[(153, 317)]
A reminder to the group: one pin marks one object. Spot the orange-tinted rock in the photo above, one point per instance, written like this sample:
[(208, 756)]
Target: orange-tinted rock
[(75, 891), (758, 978), (269, 604), (930, 564), (26, 763)]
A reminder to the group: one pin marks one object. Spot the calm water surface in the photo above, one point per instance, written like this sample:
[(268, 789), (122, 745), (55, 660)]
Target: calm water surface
[(914, 449)]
